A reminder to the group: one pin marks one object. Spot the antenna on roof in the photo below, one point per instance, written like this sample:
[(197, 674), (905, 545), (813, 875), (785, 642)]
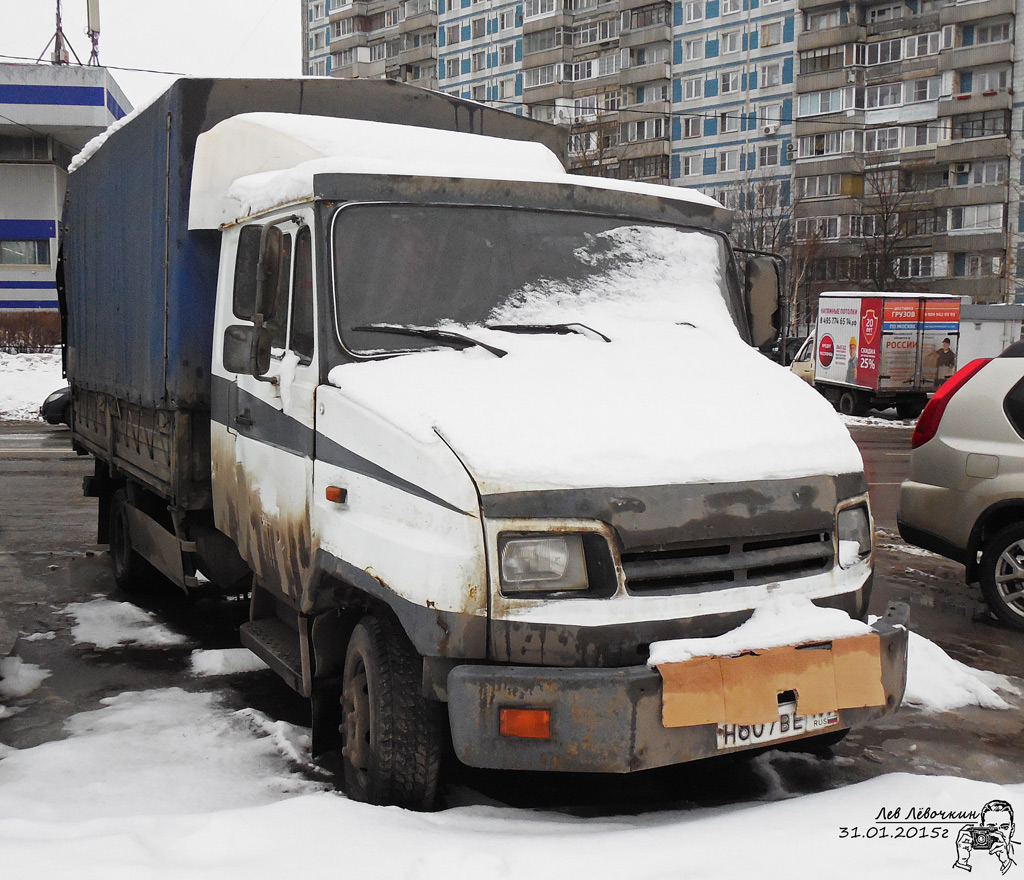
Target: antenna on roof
[(60, 44), (93, 30)]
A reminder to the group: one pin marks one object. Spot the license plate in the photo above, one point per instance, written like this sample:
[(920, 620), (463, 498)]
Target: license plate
[(733, 736)]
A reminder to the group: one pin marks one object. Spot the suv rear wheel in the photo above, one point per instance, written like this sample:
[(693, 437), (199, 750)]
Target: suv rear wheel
[(1002, 575)]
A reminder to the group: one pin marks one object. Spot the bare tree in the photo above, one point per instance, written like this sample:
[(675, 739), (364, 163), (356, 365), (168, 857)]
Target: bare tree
[(884, 227)]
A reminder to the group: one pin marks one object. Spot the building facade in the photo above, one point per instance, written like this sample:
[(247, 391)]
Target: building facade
[(876, 144), (47, 114)]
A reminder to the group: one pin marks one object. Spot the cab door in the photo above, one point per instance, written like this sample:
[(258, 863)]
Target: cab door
[(270, 421)]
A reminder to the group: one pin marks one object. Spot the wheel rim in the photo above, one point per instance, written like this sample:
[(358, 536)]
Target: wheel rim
[(1009, 577), (355, 701)]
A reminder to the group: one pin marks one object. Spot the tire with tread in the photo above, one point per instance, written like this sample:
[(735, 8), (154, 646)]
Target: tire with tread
[(850, 404), (132, 573), (1002, 575), (392, 735)]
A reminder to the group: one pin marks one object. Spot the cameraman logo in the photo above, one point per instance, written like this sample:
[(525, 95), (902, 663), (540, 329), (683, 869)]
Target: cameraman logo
[(994, 835)]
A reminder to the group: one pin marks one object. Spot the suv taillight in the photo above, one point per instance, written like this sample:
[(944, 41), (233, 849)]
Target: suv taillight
[(928, 424)]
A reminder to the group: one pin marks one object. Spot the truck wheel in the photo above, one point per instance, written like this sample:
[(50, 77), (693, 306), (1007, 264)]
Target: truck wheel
[(391, 734), (1002, 575), (910, 407), (131, 572), (850, 404)]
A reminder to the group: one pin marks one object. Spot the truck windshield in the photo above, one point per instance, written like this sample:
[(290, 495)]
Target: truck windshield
[(457, 267)]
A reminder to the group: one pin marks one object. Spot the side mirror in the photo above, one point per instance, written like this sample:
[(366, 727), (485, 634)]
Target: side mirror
[(268, 273), (763, 289), (247, 349)]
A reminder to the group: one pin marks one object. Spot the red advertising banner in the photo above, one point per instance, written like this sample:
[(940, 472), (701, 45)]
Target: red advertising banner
[(869, 350)]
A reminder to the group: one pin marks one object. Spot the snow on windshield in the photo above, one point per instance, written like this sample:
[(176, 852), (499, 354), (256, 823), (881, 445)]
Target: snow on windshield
[(634, 273)]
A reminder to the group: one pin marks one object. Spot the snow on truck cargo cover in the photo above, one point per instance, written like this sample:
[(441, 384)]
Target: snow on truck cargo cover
[(253, 162)]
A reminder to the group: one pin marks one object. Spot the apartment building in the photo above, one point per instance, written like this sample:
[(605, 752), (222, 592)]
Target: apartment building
[(47, 114), (907, 162)]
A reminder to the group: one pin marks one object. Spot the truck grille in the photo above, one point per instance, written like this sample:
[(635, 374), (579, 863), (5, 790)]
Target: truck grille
[(720, 564)]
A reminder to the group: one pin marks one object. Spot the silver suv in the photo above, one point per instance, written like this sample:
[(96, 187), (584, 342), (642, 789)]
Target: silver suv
[(964, 497)]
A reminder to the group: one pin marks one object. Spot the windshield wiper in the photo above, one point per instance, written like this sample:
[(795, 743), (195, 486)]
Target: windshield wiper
[(573, 327), (457, 339)]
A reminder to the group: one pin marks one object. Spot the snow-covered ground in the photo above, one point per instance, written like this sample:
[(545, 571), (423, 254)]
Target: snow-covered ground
[(25, 381), (169, 783)]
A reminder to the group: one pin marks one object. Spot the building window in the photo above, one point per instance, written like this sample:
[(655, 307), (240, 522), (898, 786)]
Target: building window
[(925, 134), (822, 21), (319, 11), (506, 20), (987, 173), (770, 114), (647, 16), (691, 126), (478, 61), (819, 186), (729, 121), (585, 108), (25, 253), (991, 79), (319, 39), (611, 100), (771, 34), (914, 267), (479, 93), (817, 227), (885, 12), (691, 165), (452, 66), (768, 155), (884, 52), (541, 41), (731, 42), (729, 7), (886, 95), (694, 11), (644, 130), (693, 88), (479, 28), (506, 88), (880, 140), (976, 125), (771, 75), (729, 160), (453, 34), (537, 8), (693, 50), (921, 44), (992, 33), (506, 54), (972, 217), (538, 76), (926, 89), (831, 101), (730, 82), (341, 28), (828, 144), (596, 32)]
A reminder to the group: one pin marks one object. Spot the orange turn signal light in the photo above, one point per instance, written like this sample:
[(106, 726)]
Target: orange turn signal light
[(337, 494), (525, 723)]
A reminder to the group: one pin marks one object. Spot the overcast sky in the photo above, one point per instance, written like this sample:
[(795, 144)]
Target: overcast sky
[(195, 37)]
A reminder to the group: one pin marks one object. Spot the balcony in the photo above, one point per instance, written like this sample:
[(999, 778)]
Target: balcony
[(644, 149), (840, 36), (356, 8), (958, 196), (560, 54), (993, 147), (417, 54), (964, 57), (655, 33), (349, 41), (955, 13), (546, 93), (421, 21), (975, 103), (631, 76), (825, 79), (546, 22)]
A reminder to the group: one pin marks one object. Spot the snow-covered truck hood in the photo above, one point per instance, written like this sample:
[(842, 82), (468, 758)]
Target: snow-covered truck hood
[(658, 405)]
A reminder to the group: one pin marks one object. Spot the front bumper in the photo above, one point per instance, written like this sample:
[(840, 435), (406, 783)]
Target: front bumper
[(610, 720)]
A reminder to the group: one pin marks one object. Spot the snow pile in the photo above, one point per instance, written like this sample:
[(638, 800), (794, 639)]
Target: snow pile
[(91, 146), (938, 683), (25, 382), (782, 620), (167, 784), (226, 661), (108, 624), (18, 679)]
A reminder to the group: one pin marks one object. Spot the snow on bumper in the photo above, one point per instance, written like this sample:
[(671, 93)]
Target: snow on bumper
[(611, 720)]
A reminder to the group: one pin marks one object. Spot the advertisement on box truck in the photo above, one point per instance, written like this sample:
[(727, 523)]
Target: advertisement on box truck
[(429, 399), (881, 350)]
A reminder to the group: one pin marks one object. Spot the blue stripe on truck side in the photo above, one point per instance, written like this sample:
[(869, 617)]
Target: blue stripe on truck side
[(19, 230), (27, 285), (68, 96)]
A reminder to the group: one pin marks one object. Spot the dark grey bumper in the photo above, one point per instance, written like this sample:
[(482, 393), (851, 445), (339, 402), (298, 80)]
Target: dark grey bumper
[(609, 720)]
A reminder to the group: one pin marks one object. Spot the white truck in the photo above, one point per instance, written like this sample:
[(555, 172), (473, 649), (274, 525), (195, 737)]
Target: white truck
[(447, 411), (881, 349)]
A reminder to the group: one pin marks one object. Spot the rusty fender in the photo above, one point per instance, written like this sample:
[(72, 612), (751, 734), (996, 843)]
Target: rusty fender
[(609, 720)]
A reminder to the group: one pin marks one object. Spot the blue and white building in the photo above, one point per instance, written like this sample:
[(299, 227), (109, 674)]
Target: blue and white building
[(47, 114)]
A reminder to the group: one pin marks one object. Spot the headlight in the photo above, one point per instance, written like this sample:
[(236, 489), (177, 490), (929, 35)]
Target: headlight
[(854, 528), (543, 564), (52, 397)]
